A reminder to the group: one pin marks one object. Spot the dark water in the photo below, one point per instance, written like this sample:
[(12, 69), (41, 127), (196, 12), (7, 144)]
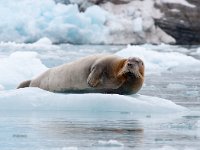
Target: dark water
[(182, 88)]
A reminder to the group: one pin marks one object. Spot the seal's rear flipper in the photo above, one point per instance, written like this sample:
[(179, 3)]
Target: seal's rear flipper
[(24, 84)]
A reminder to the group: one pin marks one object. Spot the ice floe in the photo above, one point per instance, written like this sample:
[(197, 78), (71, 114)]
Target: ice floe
[(34, 99), (19, 66), (156, 62), (112, 143)]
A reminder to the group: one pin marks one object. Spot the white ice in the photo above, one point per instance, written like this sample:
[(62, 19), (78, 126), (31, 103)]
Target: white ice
[(182, 2), (34, 99), (19, 66), (1, 87), (28, 21), (157, 62), (113, 143)]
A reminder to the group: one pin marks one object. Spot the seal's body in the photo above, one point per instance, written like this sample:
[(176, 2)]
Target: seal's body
[(96, 73)]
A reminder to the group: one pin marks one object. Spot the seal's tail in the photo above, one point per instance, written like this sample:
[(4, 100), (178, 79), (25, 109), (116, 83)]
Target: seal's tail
[(24, 84)]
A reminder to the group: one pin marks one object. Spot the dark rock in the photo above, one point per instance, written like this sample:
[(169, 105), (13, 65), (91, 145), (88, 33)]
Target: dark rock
[(181, 22)]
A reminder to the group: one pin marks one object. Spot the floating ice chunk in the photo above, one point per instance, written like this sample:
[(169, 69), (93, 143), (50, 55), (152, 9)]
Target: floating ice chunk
[(198, 51), (198, 124), (43, 41), (112, 143), (40, 45), (19, 66), (1, 87), (161, 61), (34, 99), (69, 148)]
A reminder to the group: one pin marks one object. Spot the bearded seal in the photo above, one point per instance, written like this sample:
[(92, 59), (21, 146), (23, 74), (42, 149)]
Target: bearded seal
[(102, 73)]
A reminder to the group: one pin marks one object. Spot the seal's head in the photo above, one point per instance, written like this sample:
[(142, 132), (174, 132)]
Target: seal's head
[(133, 66)]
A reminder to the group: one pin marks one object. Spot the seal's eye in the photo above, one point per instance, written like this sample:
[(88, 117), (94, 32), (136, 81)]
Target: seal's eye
[(142, 63)]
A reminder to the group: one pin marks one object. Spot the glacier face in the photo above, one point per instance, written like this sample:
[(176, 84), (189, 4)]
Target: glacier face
[(28, 21)]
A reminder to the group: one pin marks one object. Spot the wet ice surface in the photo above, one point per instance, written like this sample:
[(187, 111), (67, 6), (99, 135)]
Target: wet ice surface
[(71, 130)]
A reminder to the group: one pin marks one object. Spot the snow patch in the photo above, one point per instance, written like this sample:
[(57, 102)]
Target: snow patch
[(134, 23), (182, 2), (175, 10)]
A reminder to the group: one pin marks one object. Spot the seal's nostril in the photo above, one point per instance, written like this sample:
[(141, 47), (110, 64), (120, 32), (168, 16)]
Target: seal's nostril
[(129, 64)]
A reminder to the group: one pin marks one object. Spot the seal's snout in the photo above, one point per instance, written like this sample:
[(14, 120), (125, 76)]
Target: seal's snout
[(135, 66), (130, 65)]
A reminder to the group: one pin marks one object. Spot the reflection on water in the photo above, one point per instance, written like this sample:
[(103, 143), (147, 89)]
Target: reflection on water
[(57, 130), (44, 130)]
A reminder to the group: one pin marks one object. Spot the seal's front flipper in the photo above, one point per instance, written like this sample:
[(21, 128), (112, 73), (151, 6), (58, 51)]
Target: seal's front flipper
[(94, 77)]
